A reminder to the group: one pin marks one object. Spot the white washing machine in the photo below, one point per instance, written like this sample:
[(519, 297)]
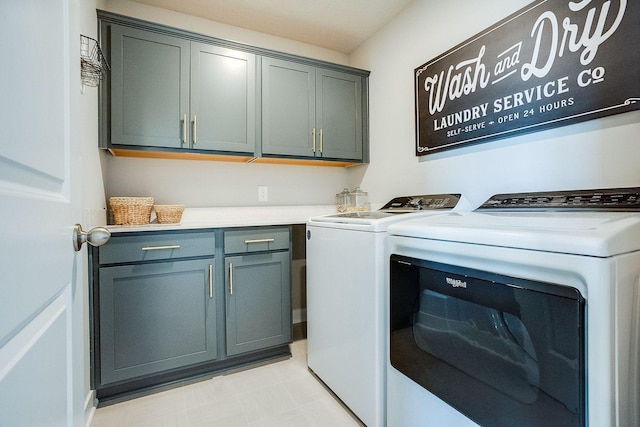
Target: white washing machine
[(525, 312), (345, 308)]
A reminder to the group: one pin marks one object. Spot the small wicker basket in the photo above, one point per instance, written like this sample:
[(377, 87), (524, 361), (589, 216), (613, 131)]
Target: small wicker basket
[(131, 210), (168, 214)]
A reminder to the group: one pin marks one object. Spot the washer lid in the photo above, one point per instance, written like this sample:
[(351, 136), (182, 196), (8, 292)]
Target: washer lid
[(394, 211), (356, 216), (600, 234), (374, 221)]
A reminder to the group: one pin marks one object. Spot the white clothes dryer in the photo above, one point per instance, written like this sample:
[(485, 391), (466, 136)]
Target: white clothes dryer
[(525, 312)]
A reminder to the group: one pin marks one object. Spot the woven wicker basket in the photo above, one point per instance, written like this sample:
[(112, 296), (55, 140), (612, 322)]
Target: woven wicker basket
[(131, 210), (168, 214)]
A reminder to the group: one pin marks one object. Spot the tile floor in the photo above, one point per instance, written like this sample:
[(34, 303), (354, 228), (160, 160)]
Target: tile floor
[(279, 394)]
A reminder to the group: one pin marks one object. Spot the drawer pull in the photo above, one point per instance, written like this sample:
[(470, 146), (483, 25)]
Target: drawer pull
[(230, 278), (259, 241), (157, 248), (210, 280)]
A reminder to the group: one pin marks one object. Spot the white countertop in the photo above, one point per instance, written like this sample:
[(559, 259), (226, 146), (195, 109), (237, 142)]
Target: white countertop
[(245, 216)]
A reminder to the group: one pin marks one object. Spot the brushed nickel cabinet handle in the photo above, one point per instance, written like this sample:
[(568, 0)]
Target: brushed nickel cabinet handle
[(321, 141), (313, 135), (210, 280), (195, 129), (230, 278), (158, 248), (259, 241), (184, 129)]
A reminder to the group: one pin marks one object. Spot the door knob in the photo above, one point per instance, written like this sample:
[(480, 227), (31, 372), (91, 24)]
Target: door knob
[(97, 236)]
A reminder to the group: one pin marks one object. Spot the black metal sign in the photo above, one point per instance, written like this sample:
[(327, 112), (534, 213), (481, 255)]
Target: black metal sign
[(552, 63)]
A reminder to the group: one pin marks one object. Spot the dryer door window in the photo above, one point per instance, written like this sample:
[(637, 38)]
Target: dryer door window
[(501, 350)]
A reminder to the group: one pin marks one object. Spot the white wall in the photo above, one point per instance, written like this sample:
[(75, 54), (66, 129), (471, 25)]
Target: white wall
[(219, 30), (209, 183), (598, 153), (196, 183)]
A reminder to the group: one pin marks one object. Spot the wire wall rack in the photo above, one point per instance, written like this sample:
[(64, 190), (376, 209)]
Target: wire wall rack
[(93, 65)]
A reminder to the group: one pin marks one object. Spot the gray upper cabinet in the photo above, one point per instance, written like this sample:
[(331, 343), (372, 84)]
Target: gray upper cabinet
[(223, 99), (149, 88), (288, 107), (170, 92), (339, 114), (176, 94), (311, 112)]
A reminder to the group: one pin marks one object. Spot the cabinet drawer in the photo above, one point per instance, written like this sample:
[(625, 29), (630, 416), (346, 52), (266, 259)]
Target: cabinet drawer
[(157, 246), (256, 240)]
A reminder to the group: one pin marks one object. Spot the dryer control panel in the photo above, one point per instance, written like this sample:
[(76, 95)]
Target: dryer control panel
[(609, 199)]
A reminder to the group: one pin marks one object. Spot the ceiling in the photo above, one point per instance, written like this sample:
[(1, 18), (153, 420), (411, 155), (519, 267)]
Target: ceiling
[(340, 25)]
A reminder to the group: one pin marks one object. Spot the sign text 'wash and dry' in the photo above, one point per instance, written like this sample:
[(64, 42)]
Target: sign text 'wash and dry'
[(553, 63)]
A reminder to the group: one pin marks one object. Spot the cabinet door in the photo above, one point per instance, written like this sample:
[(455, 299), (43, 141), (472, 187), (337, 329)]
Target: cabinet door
[(155, 317), (258, 301), (288, 108), (339, 114), (223, 99), (149, 88)]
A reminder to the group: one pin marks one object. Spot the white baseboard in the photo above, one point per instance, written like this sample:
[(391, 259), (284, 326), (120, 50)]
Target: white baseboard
[(89, 407)]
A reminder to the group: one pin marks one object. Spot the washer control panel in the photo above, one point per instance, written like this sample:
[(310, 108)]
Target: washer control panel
[(610, 199), (427, 202)]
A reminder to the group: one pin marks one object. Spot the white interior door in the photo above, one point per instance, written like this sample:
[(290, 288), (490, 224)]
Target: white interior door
[(40, 356)]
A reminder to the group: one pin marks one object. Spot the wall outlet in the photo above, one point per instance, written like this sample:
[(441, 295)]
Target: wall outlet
[(263, 193)]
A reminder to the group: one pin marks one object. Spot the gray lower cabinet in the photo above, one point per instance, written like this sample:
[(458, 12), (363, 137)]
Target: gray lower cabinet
[(154, 307), (155, 317), (311, 112), (258, 301), (169, 92), (257, 288), (171, 305)]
